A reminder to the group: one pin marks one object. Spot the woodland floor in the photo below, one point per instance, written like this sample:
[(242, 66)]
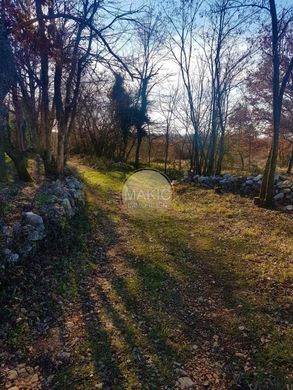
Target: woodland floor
[(202, 290)]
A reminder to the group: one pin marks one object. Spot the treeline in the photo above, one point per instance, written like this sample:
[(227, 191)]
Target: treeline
[(93, 77)]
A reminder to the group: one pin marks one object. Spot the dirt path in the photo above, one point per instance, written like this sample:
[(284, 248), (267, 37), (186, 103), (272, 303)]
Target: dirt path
[(198, 296)]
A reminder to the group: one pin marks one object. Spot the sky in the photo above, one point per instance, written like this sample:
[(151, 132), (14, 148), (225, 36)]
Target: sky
[(169, 73)]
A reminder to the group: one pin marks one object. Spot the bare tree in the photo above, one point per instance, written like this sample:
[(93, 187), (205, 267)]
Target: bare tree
[(281, 20), (168, 102), (148, 44), (7, 77), (279, 25), (226, 64), (67, 36), (8, 81), (181, 19)]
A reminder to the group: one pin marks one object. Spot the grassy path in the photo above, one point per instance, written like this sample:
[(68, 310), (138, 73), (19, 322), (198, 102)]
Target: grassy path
[(201, 292)]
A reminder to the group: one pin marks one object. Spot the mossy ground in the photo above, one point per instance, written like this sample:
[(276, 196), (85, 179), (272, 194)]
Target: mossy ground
[(204, 287)]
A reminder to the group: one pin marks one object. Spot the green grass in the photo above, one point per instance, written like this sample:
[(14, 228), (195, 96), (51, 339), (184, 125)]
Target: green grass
[(6, 209), (142, 288), (225, 237), (42, 198)]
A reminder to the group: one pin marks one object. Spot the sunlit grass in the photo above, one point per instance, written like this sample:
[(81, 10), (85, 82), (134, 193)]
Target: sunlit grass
[(235, 243)]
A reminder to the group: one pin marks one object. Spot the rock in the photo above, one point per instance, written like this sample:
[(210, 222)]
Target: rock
[(286, 190), (67, 207), (34, 378), (79, 196), (7, 231), (185, 383), (257, 178), (12, 375), (283, 177), (16, 226), (59, 199), (286, 184), (71, 184), (181, 372), (34, 233), (12, 257), (206, 181), (289, 207), (37, 235), (33, 219), (65, 356), (279, 196), (41, 229), (240, 355), (26, 248), (120, 165), (22, 372), (50, 378)]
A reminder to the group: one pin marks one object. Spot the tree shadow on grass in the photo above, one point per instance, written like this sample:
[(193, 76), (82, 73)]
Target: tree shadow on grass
[(140, 308), (126, 342), (235, 287)]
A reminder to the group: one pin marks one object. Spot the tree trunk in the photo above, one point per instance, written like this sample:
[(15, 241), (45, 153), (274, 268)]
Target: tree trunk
[(143, 113), (267, 189), (49, 164), (20, 166), (249, 154), (38, 168), (216, 102), (45, 128), (123, 149), (2, 149), (212, 145), (166, 150), (2, 159), (265, 179), (195, 160), (137, 153), (16, 156), (150, 146), (130, 149), (7, 77), (221, 154), (290, 164), (60, 152), (2, 164), (242, 161)]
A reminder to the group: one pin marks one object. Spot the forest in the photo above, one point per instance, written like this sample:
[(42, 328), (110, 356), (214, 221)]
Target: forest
[(146, 194)]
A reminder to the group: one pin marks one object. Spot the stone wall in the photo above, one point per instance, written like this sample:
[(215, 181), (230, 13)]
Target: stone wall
[(248, 186), (53, 204)]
